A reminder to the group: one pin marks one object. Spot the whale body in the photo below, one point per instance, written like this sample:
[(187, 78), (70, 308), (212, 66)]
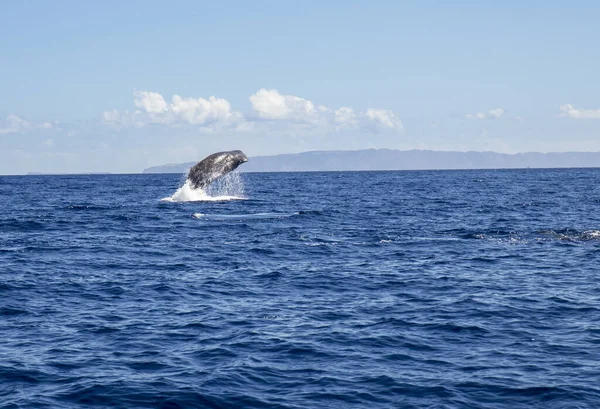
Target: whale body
[(214, 166)]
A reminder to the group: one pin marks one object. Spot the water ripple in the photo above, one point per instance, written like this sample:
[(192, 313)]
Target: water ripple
[(474, 289)]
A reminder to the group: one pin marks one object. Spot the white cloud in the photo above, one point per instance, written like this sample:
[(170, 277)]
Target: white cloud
[(198, 111), (492, 113), (151, 102), (384, 118), (273, 111), (111, 116), (270, 104), (345, 117), (153, 109), (126, 118), (572, 112), (14, 124), (496, 112)]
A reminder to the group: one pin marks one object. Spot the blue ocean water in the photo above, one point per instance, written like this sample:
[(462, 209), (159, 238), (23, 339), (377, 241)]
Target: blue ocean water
[(426, 289)]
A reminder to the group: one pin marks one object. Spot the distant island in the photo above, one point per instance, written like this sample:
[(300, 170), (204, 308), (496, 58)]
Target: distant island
[(64, 174), (389, 159)]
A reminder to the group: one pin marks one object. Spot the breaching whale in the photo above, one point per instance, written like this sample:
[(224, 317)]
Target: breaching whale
[(213, 167)]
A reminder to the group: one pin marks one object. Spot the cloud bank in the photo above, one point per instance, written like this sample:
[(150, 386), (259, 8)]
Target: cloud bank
[(269, 108), (493, 113), (153, 109), (572, 112), (12, 123)]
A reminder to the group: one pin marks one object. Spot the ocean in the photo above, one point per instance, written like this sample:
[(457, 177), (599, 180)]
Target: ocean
[(408, 289)]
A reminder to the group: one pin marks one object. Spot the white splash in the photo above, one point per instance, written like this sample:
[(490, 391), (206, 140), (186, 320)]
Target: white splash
[(241, 217), (229, 187), (591, 234)]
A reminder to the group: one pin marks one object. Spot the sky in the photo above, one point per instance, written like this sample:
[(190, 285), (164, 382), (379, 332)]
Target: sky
[(118, 86)]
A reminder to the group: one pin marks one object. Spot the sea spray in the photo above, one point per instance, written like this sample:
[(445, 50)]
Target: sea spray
[(229, 187)]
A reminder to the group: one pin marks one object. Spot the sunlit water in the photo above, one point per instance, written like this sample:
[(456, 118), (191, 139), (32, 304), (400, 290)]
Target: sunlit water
[(448, 289)]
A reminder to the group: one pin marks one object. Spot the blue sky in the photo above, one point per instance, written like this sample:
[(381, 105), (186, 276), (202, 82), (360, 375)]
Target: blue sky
[(119, 86)]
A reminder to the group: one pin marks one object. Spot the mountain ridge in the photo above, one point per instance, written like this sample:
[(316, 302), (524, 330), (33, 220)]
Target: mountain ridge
[(392, 159)]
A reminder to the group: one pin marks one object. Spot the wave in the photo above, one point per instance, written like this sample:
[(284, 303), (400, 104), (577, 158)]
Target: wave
[(229, 187)]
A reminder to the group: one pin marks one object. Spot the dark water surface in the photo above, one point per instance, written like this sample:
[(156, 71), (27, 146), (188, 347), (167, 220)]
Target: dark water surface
[(433, 289)]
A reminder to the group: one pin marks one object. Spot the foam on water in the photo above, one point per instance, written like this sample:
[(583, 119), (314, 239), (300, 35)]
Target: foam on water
[(592, 234), (229, 187), (238, 217)]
